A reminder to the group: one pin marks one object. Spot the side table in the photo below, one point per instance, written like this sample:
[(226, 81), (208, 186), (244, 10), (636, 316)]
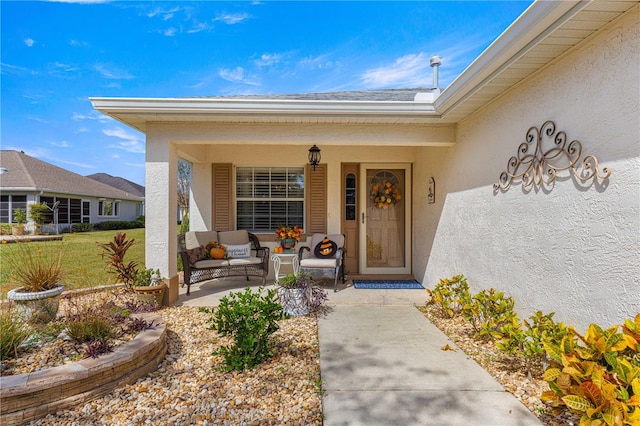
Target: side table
[(280, 259)]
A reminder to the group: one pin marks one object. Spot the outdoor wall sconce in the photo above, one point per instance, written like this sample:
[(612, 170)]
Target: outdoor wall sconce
[(537, 163), (431, 195), (314, 156)]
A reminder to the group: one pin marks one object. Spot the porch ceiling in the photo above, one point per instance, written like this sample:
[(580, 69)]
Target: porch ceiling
[(542, 34)]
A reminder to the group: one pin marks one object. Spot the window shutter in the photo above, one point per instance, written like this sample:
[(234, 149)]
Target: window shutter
[(222, 197), (316, 200)]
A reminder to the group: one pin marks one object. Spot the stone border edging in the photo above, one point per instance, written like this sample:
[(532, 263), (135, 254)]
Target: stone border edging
[(29, 396)]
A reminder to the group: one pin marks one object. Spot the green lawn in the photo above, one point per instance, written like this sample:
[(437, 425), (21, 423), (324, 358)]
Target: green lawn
[(83, 264)]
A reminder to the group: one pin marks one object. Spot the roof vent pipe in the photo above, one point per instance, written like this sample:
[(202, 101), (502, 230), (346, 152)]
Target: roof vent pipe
[(435, 64)]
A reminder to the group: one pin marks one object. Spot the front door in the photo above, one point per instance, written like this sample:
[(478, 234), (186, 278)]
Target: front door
[(385, 243)]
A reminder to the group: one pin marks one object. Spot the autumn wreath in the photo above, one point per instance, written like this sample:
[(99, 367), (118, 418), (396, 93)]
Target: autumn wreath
[(385, 194)]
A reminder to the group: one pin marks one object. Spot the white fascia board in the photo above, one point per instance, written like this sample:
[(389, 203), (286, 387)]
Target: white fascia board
[(205, 106), (533, 25)]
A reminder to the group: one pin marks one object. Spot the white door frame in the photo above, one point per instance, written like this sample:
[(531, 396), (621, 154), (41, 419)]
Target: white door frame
[(363, 197)]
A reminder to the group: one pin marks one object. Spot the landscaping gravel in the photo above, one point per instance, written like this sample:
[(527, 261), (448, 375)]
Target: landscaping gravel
[(189, 389)]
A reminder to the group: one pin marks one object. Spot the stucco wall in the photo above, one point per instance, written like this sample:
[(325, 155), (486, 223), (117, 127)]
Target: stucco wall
[(572, 248)]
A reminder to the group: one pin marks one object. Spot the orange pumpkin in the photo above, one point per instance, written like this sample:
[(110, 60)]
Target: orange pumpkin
[(216, 253)]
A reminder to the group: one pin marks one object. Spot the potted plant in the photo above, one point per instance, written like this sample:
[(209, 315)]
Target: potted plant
[(38, 214), (288, 236), (149, 285), (37, 269), (299, 295), (20, 218)]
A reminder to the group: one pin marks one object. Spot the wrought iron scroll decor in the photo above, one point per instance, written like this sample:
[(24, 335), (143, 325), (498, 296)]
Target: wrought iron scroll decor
[(544, 154)]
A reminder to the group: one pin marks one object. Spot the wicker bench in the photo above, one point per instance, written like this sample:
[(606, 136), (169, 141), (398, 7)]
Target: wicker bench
[(245, 256)]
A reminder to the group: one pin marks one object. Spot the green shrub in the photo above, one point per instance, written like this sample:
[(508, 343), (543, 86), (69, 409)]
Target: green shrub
[(89, 321), (13, 332), (450, 295), (249, 318), (115, 225), (489, 311), (529, 342), (597, 375), (81, 227)]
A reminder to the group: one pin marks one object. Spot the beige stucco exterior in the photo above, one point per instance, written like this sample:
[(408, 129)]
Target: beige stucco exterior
[(572, 248)]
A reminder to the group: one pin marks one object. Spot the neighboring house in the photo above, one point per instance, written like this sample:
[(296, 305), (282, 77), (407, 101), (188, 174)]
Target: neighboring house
[(72, 198), (119, 183), (567, 246)]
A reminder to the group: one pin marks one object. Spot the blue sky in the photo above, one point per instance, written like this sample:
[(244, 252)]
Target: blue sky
[(55, 55)]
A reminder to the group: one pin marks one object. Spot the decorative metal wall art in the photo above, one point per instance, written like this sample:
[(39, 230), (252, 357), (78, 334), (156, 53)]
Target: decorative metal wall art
[(543, 155)]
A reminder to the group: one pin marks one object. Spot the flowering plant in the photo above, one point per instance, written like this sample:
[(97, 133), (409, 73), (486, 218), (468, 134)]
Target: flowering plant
[(384, 194), (289, 232)]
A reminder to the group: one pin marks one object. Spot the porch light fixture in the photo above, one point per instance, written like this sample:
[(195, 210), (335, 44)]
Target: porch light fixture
[(314, 157)]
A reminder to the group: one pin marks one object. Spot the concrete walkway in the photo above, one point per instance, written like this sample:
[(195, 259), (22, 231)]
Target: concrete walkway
[(381, 363)]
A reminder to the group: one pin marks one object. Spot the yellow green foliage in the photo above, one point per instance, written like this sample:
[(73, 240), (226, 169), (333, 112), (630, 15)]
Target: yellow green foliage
[(450, 295), (597, 375)]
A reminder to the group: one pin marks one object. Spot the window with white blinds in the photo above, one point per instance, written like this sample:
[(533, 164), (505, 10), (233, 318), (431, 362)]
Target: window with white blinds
[(268, 197)]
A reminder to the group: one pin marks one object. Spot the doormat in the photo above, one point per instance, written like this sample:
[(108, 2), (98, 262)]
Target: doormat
[(387, 284)]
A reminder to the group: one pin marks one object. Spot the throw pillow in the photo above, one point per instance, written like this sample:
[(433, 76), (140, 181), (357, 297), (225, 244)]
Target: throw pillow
[(325, 248), (196, 254), (239, 251)]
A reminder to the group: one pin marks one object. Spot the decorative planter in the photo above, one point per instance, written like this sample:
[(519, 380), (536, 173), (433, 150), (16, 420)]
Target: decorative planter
[(17, 230), (152, 292), (288, 244), (294, 301), (216, 253), (39, 306)]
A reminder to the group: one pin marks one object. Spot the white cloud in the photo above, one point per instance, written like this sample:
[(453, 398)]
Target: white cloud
[(165, 14), (408, 71), (267, 59), (73, 163), (198, 27), (234, 75), (170, 32), (59, 66), (28, 41), (92, 116), (113, 73), (130, 142), (61, 144), (318, 62), (232, 18), (78, 43), (79, 1)]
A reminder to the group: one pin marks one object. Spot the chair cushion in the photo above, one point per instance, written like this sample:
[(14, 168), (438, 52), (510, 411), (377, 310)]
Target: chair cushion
[(326, 248), (239, 251), (318, 263), (240, 236)]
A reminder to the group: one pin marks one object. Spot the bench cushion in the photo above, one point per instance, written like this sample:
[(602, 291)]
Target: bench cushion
[(211, 263), (195, 239), (246, 261), (240, 236)]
